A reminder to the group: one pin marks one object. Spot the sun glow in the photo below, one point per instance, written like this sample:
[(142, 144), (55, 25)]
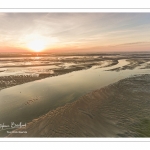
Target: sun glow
[(37, 45)]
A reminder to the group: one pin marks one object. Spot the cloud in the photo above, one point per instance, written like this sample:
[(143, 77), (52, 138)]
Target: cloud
[(134, 43), (72, 29)]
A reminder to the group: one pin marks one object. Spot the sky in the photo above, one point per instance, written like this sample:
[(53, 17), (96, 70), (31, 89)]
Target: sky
[(74, 32)]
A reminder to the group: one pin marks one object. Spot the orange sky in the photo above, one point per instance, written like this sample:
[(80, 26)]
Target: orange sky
[(94, 32)]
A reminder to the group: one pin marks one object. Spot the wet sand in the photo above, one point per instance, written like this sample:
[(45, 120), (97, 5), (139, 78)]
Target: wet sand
[(7, 81), (31, 67), (118, 110), (133, 63), (18, 69)]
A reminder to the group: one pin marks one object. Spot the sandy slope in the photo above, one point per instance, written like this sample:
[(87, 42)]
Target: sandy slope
[(117, 110)]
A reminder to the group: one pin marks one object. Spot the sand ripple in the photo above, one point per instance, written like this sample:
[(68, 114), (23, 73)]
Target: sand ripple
[(118, 110)]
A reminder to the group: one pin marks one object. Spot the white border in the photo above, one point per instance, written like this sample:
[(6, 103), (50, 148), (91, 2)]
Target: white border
[(127, 139), (74, 4), (69, 10)]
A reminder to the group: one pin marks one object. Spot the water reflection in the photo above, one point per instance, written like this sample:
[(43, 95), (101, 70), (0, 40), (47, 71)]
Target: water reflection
[(25, 102)]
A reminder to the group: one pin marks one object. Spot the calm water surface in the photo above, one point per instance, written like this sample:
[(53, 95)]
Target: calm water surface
[(50, 93)]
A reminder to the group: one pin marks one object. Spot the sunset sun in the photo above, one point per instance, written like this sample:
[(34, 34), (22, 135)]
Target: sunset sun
[(37, 45)]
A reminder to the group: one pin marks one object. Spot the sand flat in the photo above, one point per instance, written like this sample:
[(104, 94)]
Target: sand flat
[(118, 110)]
